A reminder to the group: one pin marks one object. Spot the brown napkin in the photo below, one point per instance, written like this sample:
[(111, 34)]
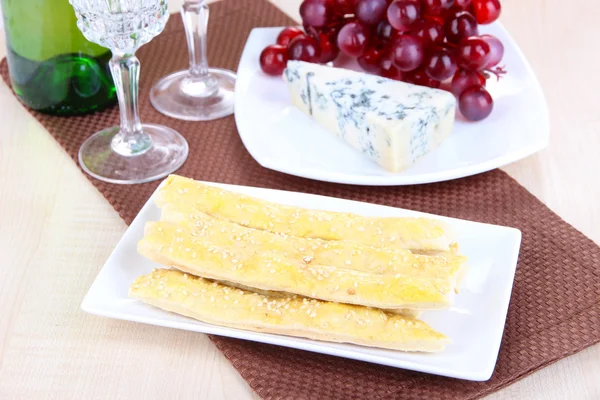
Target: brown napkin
[(555, 307)]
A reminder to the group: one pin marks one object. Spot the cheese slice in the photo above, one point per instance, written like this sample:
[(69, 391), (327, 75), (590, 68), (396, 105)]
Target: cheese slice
[(170, 245), (393, 123), (218, 304), (419, 234)]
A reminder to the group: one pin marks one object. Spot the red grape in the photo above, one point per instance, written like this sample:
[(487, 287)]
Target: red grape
[(273, 59), (464, 79), (316, 12), (304, 48), (389, 70), (486, 11), (370, 61), (403, 13), (407, 52), (437, 7), (328, 46), (287, 34), (462, 4), (419, 77), (440, 64), (370, 12), (384, 31), (475, 103), (429, 30), (353, 39), (473, 53), (496, 50), (343, 7), (461, 26)]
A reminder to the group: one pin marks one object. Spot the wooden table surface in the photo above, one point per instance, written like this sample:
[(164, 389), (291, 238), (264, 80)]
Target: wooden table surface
[(56, 231)]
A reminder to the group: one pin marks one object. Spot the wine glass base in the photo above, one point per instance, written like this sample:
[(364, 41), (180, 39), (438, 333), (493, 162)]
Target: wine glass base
[(168, 97), (168, 152)]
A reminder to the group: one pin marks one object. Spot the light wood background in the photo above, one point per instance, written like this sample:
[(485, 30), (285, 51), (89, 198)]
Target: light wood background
[(56, 231)]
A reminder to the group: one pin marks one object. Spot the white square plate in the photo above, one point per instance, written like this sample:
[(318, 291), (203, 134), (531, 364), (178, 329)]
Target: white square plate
[(475, 322), (282, 138)]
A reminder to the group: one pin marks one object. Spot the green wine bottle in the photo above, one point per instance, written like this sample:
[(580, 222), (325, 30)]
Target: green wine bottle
[(53, 68)]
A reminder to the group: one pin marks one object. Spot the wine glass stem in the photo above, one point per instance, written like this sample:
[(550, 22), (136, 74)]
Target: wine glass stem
[(195, 22), (131, 140)]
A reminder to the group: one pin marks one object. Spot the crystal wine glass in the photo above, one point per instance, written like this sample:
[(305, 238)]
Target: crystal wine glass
[(132, 152), (199, 93)]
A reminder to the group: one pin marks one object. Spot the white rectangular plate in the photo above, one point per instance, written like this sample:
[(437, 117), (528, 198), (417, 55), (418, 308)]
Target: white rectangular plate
[(475, 322), (282, 138)]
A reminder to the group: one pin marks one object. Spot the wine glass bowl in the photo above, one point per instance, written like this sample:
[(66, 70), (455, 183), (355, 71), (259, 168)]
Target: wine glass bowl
[(131, 152), (199, 93), (124, 25)]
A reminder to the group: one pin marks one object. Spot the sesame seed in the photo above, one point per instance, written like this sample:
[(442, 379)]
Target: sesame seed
[(194, 254), (351, 291), (212, 299), (314, 314), (184, 292), (308, 259), (355, 284), (136, 286), (272, 271), (348, 262), (252, 309), (392, 238), (160, 229), (187, 249)]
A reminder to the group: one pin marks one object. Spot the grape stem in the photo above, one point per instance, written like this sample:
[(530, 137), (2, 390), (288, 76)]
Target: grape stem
[(498, 72)]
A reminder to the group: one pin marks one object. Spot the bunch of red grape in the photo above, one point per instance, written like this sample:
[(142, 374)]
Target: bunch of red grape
[(434, 43)]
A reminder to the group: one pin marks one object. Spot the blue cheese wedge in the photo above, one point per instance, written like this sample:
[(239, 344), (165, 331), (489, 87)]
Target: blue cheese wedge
[(393, 123)]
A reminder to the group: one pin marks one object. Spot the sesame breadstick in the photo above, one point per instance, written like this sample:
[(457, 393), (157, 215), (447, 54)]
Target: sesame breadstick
[(408, 233), (214, 303), (316, 251), (171, 245)]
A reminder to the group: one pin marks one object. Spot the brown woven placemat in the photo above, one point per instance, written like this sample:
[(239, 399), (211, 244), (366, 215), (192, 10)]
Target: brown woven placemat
[(555, 306)]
